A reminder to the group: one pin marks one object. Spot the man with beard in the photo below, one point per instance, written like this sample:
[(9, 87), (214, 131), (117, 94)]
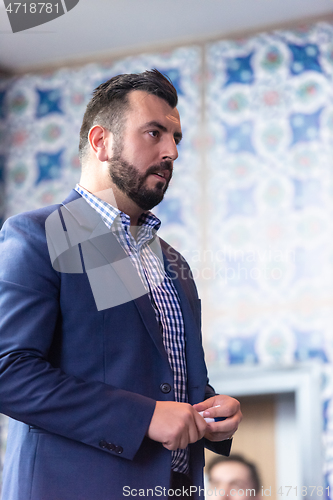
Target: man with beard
[(101, 363)]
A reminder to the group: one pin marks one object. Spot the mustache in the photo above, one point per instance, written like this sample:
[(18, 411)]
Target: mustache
[(164, 165)]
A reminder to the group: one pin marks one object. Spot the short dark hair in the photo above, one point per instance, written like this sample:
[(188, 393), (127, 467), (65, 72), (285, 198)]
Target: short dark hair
[(254, 474), (109, 101)]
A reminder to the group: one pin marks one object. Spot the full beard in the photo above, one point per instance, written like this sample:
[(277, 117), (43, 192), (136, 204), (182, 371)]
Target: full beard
[(127, 178)]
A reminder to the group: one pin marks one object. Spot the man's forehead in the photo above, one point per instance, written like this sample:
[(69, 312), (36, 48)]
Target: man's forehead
[(141, 97), (144, 103)]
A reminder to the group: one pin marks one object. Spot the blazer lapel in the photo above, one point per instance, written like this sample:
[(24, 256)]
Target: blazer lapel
[(190, 305), (111, 273)]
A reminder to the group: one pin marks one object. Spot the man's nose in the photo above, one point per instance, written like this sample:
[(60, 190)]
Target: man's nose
[(170, 150)]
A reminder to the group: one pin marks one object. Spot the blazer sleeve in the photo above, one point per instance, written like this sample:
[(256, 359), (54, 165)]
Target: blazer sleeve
[(31, 389)]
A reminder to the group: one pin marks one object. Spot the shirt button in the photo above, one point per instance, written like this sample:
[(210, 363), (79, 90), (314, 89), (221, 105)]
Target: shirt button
[(165, 388)]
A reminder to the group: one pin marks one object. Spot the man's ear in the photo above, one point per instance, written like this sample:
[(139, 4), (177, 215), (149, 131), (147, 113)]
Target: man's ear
[(101, 141)]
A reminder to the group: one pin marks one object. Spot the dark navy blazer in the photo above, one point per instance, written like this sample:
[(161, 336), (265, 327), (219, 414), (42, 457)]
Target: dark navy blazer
[(80, 384)]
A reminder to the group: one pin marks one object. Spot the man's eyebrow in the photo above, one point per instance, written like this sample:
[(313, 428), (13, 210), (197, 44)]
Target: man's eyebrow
[(177, 135)]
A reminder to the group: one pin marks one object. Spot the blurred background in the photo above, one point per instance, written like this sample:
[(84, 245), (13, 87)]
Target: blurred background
[(251, 201)]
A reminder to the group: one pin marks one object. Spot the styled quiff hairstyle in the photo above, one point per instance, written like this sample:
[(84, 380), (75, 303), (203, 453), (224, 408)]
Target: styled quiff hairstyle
[(109, 101), (254, 474)]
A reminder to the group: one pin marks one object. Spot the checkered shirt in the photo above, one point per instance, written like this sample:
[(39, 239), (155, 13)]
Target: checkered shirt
[(161, 291)]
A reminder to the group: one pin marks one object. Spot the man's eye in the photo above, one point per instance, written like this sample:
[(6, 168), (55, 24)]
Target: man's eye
[(153, 133)]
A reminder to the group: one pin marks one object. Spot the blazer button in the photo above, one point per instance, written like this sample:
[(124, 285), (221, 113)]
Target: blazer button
[(119, 450), (165, 388), (103, 444)]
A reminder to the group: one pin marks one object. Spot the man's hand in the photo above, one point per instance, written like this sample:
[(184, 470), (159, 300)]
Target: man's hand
[(175, 425), (225, 406)]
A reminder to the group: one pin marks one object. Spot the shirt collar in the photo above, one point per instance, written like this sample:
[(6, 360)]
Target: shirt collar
[(147, 220)]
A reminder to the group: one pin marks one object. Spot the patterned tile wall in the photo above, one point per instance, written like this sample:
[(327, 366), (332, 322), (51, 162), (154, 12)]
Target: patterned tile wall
[(270, 181), (269, 235)]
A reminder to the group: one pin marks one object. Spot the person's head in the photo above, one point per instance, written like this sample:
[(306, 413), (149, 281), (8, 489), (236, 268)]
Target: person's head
[(109, 103), (234, 477), (132, 127)]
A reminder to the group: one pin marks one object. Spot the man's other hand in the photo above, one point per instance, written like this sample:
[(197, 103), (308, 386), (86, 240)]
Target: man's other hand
[(220, 406)]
